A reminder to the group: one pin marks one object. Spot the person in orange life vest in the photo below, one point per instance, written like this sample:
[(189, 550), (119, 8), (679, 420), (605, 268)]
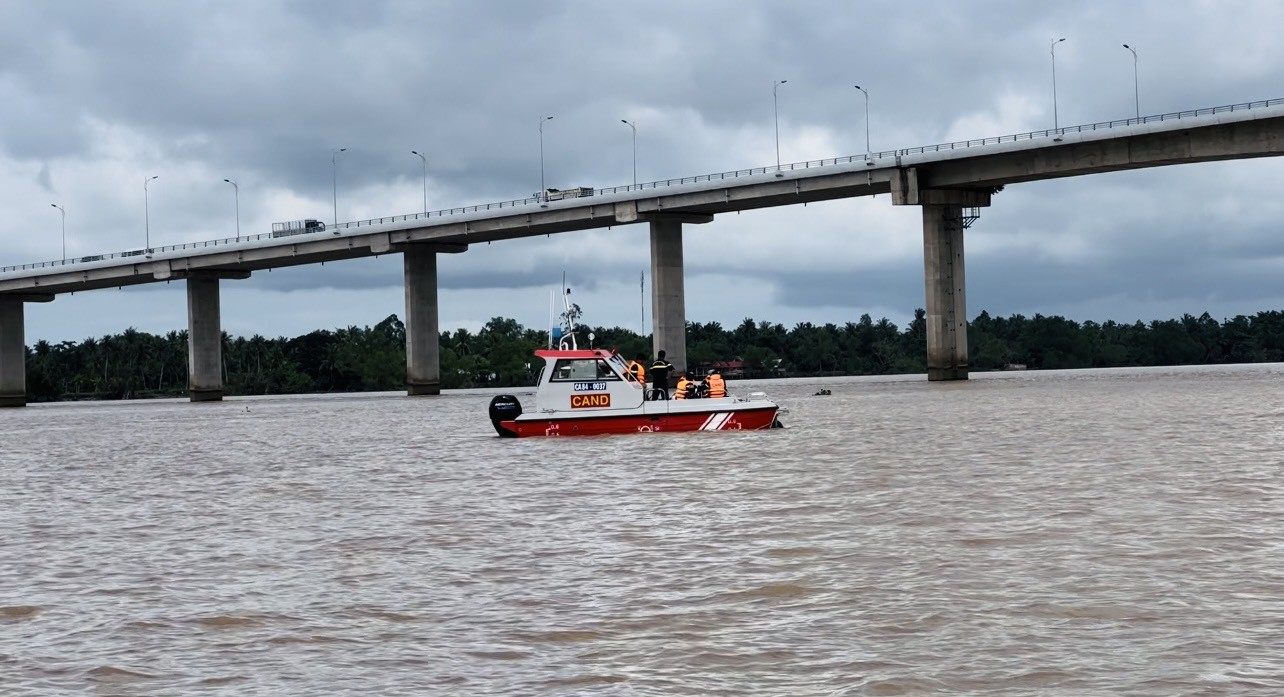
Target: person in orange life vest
[(715, 385), (683, 390), (638, 370)]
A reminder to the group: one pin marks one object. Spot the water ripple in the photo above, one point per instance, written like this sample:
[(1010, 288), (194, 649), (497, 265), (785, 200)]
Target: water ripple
[(1088, 532)]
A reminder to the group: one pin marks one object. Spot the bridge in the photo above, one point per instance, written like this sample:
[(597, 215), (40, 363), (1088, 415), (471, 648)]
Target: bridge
[(950, 182)]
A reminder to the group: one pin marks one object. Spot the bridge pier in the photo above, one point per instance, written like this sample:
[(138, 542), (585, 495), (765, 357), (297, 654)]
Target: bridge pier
[(13, 348), (423, 350), (204, 340), (946, 292), (668, 293), (13, 355), (668, 285), (943, 277)]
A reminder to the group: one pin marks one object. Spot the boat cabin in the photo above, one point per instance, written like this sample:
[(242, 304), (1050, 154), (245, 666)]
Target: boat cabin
[(587, 380)]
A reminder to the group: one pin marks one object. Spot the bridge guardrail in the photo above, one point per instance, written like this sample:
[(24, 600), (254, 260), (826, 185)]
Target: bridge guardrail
[(734, 174)]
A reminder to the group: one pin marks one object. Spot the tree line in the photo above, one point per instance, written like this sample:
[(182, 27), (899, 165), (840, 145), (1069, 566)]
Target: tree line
[(136, 364)]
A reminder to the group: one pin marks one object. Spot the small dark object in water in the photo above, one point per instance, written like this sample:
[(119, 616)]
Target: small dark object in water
[(823, 392)]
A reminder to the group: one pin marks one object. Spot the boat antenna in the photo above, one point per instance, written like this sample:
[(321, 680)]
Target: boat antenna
[(642, 299), (551, 312), (571, 311)]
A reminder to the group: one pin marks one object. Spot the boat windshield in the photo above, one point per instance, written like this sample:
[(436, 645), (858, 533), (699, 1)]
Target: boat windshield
[(574, 369), (620, 367)]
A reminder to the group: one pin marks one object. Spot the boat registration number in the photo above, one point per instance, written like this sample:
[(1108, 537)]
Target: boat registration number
[(588, 401), (590, 387)]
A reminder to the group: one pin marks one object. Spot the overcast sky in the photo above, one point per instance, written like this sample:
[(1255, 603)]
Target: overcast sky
[(95, 97)]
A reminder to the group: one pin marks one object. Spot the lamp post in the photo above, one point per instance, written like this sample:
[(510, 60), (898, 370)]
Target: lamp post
[(64, 229), (1053, 49), (1136, 94), (334, 184), (635, 149), (236, 192), (775, 110), (862, 91), (543, 193), (147, 214), (425, 163)]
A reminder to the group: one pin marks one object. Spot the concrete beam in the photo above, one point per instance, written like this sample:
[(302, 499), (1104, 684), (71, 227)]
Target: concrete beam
[(204, 340), (668, 298), (423, 350), (216, 274), (396, 241), (909, 189), (13, 355), (28, 297), (685, 218), (439, 247), (946, 293)]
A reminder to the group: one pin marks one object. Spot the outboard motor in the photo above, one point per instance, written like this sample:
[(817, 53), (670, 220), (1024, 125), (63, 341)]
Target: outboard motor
[(504, 407)]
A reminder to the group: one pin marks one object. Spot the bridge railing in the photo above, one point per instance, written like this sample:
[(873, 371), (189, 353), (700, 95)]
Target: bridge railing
[(870, 157)]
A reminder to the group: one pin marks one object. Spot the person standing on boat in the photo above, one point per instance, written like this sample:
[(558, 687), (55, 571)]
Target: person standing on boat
[(683, 390), (714, 385), (660, 374), (638, 370)]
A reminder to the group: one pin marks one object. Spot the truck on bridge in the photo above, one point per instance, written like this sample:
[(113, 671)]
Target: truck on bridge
[(297, 227), (573, 192)]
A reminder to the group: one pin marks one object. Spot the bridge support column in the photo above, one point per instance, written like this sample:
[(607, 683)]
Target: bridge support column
[(13, 348), (668, 293), (946, 292), (423, 350), (204, 340), (943, 225), (13, 355)]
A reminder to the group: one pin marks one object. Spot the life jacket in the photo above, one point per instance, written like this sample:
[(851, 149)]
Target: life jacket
[(716, 386), (681, 391), (638, 371)]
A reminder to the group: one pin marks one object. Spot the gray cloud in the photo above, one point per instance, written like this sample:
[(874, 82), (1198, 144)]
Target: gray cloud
[(260, 92)]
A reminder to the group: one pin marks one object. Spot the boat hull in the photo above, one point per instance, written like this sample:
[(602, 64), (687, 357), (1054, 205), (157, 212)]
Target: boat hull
[(744, 418)]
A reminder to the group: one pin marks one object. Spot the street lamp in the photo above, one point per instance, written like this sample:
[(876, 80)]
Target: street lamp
[(635, 149), (236, 191), (775, 109), (543, 193), (1136, 95), (147, 215), (64, 229), (867, 150), (1053, 50), (334, 184), (425, 163)]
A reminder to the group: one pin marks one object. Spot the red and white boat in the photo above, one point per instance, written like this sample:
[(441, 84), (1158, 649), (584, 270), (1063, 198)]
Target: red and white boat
[(587, 392)]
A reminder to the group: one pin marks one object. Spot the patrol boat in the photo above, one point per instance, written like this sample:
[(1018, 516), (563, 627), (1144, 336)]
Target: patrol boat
[(588, 392)]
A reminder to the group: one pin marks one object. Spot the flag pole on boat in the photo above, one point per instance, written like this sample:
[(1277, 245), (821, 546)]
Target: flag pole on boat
[(551, 312), (642, 299)]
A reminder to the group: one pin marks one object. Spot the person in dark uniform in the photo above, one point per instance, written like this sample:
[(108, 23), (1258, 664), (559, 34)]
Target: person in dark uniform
[(660, 370)]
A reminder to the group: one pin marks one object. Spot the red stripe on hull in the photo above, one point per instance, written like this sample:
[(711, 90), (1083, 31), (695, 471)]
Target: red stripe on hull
[(742, 420)]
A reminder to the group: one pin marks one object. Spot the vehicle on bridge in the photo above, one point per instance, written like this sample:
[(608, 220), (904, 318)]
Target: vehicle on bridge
[(573, 192), (297, 227)]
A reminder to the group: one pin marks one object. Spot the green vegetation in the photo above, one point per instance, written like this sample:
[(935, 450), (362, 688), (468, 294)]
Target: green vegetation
[(135, 364)]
